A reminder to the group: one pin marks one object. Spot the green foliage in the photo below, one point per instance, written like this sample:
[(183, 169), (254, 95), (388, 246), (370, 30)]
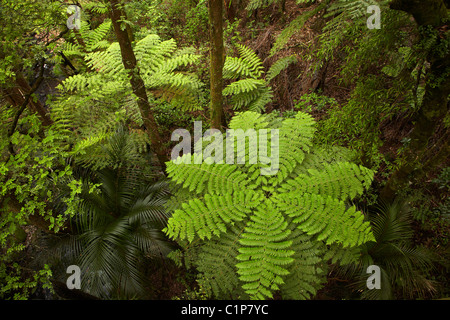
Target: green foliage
[(20, 21), (250, 234), (148, 16), (92, 104), (443, 180), (403, 264), (251, 91), (315, 101), (197, 21), (13, 284), (117, 228), (28, 188), (93, 40)]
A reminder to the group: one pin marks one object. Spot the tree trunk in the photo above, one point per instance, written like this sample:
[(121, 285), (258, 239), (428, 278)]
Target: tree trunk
[(137, 84), (434, 105), (25, 89), (217, 61), (230, 9)]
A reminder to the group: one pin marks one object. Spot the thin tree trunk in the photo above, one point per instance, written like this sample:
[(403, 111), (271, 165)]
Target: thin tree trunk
[(434, 105), (137, 84), (217, 61), (26, 89), (230, 8)]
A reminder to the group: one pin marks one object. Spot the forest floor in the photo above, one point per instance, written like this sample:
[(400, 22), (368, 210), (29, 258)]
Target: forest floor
[(295, 81)]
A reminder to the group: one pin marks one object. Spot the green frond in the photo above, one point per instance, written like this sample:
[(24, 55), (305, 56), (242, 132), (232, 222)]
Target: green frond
[(96, 6), (341, 180), (72, 49), (252, 60), (250, 90), (243, 86), (265, 253), (214, 178), (326, 217), (279, 66), (249, 120), (95, 39), (282, 229), (217, 263), (212, 213), (306, 273)]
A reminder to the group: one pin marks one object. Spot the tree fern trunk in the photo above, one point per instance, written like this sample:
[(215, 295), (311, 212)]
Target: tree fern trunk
[(434, 105), (137, 84), (217, 61)]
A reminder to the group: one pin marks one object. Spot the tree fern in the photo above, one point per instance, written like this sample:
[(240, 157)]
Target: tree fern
[(255, 234), (92, 40), (251, 91), (92, 104)]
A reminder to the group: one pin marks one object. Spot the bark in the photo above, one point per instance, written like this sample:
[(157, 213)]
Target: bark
[(137, 84), (27, 91), (217, 61), (230, 9), (434, 105)]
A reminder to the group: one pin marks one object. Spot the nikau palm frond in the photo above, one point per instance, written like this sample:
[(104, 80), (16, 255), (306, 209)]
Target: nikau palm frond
[(400, 261), (118, 227)]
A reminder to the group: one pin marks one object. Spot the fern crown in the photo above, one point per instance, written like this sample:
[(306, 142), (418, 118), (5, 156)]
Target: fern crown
[(251, 235)]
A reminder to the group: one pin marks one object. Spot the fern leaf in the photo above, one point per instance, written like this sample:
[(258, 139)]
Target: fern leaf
[(265, 252), (279, 66), (327, 218), (208, 216), (340, 180), (217, 263), (306, 276)]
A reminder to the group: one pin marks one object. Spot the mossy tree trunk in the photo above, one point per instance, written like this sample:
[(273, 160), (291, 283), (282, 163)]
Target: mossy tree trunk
[(435, 102), (137, 84), (216, 61)]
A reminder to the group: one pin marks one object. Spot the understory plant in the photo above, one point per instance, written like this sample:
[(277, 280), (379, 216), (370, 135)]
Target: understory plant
[(251, 234), (116, 233), (403, 265)]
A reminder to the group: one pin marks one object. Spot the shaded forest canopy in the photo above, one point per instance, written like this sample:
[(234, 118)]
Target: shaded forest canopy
[(96, 96)]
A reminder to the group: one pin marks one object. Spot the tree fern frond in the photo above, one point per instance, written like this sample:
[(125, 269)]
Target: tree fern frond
[(327, 217), (250, 91), (279, 66), (265, 253), (340, 181), (212, 214), (217, 263), (94, 39), (306, 276)]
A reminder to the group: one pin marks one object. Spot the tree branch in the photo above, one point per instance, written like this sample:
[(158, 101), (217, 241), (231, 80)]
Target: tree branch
[(35, 86)]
